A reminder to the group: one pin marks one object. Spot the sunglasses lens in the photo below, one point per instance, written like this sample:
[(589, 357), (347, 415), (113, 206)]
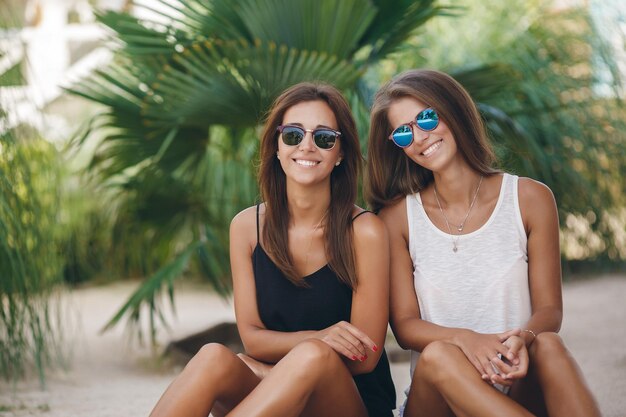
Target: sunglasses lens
[(403, 136), (325, 139), (292, 135), (427, 120)]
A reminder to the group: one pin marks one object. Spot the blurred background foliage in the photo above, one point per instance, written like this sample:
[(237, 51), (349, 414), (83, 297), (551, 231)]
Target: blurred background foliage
[(30, 264), (171, 149), (185, 98)]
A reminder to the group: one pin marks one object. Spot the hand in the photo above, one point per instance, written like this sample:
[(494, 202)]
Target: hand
[(519, 355), (347, 340), (481, 350), (260, 369)]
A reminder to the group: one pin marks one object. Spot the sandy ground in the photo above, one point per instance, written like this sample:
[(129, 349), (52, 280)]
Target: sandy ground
[(111, 377)]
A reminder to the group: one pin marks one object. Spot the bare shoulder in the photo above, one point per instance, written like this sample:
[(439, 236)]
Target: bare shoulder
[(533, 192), (243, 226), (244, 218), (537, 205), (368, 226), (394, 215)]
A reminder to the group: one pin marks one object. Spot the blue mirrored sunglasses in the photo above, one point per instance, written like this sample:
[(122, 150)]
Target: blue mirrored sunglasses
[(426, 120)]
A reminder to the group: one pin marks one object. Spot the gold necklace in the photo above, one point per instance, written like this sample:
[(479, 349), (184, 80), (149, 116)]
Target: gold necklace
[(306, 259), (455, 242)]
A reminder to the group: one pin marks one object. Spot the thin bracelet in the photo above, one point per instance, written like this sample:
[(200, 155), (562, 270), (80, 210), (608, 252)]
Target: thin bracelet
[(531, 332)]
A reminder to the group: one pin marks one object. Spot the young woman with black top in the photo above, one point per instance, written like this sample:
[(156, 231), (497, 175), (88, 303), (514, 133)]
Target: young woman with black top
[(310, 274)]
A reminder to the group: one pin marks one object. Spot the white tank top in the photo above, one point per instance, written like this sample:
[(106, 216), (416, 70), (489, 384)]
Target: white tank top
[(484, 285)]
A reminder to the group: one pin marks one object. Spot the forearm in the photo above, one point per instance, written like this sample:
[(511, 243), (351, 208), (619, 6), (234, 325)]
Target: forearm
[(546, 319), (271, 346), (415, 333)]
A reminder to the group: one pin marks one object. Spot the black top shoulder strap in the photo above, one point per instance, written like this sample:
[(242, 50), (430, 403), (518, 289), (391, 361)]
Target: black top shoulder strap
[(257, 223), (363, 212)]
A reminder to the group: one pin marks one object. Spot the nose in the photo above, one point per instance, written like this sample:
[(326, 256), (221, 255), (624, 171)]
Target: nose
[(420, 134), (307, 143)]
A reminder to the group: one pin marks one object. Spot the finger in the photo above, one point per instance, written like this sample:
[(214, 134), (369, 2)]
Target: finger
[(353, 346), (353, 341), (493, 371), (512, 355), (503, 366), (509, 333), (476, 363), (342, 349), (515, 375), (498, 379), (502, 350), (488, 368), (363, 338), (520, 371)]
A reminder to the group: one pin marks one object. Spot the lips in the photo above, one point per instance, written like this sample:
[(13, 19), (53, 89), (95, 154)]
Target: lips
[(432, 148)]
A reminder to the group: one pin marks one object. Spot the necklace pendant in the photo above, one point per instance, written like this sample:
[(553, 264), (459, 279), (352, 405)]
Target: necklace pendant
[(454, 248), (460, 228)]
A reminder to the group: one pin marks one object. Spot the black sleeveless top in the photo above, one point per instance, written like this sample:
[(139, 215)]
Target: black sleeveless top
[(286, 307)]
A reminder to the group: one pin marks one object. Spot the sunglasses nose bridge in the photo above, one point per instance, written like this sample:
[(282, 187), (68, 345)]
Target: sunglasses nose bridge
[(418, 133), (307, 141)]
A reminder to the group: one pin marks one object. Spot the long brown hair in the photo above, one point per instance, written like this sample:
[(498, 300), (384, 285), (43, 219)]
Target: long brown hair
[(390, 173), (343, 185)]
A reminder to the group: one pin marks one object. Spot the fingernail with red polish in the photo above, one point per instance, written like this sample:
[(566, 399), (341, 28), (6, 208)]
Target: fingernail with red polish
[(375, 348), (354, 358)]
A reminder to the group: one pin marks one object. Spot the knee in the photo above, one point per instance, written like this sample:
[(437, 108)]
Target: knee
[(213, 357), (437, 361), (546, 347), (314, 355)]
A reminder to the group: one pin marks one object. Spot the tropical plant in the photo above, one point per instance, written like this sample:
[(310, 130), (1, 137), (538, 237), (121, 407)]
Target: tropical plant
[(30, 264), (184, 96)]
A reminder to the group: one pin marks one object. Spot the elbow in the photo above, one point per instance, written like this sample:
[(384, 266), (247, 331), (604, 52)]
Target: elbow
[(254, 352), (251, 348), (402, 342), (401, 339)]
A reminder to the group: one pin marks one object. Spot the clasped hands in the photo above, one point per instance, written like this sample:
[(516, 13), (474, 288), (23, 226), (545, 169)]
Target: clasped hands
[(499, 358)]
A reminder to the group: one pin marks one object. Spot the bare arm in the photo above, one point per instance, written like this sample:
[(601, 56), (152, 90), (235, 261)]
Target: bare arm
[(370, 299), (541, 222)]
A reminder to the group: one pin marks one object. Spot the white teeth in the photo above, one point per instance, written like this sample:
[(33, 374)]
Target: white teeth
[(432, 148), (306, 163)]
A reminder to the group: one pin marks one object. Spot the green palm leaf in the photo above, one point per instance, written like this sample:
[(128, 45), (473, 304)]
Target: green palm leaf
[(163, 279), (183, 100), (234, 82)]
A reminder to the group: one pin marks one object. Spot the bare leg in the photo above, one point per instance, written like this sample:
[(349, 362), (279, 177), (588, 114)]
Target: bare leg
[(214, 378), (445, 380), (562, 383), (311, 380)]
